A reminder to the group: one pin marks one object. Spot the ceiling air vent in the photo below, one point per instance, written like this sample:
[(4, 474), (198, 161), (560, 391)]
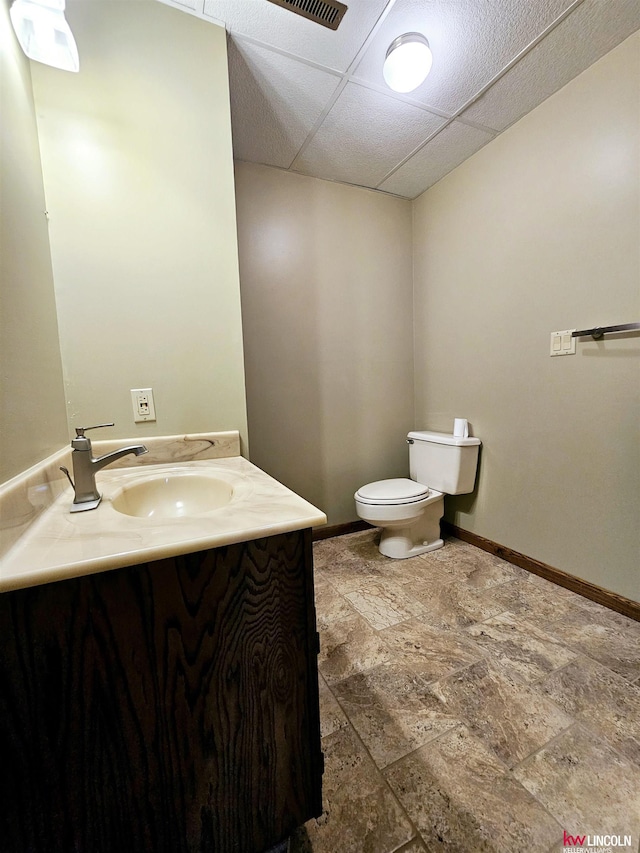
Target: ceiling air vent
[(329, 13)]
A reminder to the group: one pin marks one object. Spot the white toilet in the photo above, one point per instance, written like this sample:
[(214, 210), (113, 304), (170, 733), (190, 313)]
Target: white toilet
[(409, 511)]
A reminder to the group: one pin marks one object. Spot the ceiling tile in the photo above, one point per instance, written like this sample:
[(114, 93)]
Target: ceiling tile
[(447, 150), (287, 31), (364, 136), (584, 36), (275, 101), (471, 42)]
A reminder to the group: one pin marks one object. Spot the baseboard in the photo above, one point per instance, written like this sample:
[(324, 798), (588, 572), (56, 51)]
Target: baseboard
[(589, 590), (329, 531)]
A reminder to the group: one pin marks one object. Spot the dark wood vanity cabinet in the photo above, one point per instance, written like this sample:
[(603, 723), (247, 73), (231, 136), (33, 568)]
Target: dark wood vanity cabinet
[(170, 707)]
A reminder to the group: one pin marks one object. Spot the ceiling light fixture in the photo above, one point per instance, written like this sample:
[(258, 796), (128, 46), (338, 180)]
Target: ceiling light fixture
[(407, 63), (44, 34)]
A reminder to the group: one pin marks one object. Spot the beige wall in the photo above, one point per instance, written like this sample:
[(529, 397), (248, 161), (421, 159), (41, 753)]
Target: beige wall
[(32, 410), (138, 173), (326, 295), (540, 231)]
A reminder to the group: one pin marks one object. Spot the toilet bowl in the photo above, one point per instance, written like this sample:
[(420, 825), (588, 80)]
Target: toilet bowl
[(408, 513), (409, 510)]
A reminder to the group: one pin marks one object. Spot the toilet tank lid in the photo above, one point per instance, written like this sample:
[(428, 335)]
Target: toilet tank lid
[(443, 438)]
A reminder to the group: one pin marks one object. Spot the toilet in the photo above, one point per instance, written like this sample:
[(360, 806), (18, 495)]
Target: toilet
[(409, 511)]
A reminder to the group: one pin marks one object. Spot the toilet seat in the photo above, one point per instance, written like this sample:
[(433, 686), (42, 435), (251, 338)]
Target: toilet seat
[(396, 491)]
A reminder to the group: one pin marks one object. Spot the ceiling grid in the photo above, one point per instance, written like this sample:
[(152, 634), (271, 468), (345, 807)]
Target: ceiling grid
[(313, 100)]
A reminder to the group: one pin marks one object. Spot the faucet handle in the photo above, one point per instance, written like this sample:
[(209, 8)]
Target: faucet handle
[(81, 442), (80, 431)]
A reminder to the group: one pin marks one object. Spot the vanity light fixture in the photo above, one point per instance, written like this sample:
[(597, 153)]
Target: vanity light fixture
[(407, 63), (44, 34)]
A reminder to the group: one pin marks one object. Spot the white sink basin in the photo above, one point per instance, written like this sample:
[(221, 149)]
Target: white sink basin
[(174, 495)]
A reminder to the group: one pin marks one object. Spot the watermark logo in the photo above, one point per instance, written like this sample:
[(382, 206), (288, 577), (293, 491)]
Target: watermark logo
[(605, 843)]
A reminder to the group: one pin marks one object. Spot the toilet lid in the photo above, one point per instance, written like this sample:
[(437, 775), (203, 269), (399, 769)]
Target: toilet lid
[(396, 491)]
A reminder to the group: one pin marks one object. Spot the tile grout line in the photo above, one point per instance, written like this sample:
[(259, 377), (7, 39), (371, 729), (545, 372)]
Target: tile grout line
[(574, 725), (381, 775), (577, 650), (508, 771)]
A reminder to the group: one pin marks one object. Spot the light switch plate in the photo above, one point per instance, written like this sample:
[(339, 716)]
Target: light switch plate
[(562, 343)]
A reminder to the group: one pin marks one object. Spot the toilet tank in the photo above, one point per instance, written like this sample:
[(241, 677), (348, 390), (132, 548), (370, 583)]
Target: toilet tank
[(443, 462)]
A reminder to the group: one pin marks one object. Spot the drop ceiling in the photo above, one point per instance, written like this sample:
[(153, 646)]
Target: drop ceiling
[(312, 100)]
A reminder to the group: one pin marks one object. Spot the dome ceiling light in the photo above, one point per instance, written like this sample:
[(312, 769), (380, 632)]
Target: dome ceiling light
[(44, 34), (407, 63)]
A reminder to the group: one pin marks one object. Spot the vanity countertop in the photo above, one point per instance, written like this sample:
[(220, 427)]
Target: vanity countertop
[(61, 544)]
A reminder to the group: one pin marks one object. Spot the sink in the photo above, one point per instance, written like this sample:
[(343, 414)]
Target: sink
[(174, 495)]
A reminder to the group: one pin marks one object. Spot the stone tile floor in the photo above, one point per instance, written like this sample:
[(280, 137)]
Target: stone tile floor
[(467, 705)]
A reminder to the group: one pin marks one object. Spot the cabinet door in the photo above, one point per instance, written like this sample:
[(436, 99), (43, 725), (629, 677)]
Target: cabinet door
[(169, 708)]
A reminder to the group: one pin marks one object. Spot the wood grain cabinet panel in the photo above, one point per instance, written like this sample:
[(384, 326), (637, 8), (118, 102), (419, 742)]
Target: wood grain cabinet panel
[(170, 707)]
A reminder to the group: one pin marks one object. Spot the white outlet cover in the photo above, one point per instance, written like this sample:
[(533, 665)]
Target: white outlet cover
[(138, 396)]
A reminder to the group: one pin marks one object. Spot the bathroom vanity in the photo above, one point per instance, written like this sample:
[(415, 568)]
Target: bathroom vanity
[(163, 699)]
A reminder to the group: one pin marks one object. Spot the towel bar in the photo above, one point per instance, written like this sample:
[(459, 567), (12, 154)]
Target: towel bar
[(599, 331)]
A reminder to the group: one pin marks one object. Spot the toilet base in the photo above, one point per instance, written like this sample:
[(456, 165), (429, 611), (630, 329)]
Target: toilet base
[(416, 537), (401, 547)]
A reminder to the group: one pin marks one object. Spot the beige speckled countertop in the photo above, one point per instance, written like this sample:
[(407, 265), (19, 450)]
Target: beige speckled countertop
[(59, 544)]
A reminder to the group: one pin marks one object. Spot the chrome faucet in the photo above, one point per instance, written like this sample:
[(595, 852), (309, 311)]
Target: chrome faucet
[(85, 468)]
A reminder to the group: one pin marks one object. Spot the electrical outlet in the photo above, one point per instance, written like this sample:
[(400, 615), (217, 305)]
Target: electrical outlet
[(143, 406)]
